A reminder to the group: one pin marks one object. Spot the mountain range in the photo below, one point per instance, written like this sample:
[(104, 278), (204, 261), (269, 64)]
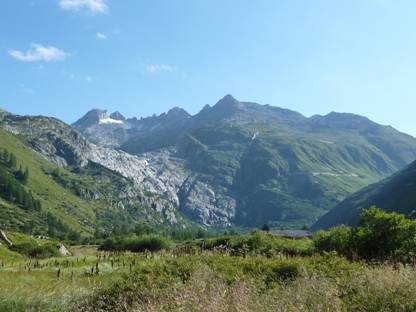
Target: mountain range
[(233, 163)]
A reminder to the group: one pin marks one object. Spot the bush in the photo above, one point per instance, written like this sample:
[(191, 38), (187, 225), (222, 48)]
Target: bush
[(151, 242), (33, 250), (382, 234), (379, 236), (147, 242), (262, 243), (339, 239)]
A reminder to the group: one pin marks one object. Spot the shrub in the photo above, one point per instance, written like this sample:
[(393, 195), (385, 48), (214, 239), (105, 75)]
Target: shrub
[(262, 243), (379, 236), (147, 242), (33, 250), (339, 239), (151, 242)]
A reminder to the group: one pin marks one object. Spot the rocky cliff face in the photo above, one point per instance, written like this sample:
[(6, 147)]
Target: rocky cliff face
[(164, 174), (50, 137)]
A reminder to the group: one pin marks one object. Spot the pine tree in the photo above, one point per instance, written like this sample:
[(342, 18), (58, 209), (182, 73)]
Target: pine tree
[(6, 156), (26, 175), (20, 196), (37, 205), (265, 227), (12, 161)]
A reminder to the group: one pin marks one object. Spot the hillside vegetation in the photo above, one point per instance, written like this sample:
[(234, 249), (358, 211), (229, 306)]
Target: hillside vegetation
[(55, 200), (393, 194)]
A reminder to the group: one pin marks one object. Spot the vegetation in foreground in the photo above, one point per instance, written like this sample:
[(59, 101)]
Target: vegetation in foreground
[(208, 281), (380, 236), (248, 272), (221, 283)]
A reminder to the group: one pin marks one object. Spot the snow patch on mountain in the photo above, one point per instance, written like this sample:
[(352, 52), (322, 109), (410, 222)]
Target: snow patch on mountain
[(108, 120)]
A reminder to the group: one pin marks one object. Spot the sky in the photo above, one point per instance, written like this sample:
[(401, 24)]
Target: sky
[(62, 58)]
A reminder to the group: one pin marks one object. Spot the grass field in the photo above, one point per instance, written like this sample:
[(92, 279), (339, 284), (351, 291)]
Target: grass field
[(192, 280), (246, 272), (57, 283)]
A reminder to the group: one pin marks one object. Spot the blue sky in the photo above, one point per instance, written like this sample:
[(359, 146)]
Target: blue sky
[(64, 57)]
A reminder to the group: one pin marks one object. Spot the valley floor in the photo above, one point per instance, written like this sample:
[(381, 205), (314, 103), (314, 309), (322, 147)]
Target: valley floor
[(186, 279)]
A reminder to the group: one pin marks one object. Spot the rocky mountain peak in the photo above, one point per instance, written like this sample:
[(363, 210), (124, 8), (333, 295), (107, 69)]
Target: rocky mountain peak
[(228, 101), (91, 118), (206, 107), (117, 116), (98, 116), (178, 112), (224, 108)]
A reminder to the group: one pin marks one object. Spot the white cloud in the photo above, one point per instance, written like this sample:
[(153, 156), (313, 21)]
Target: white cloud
[(101, 36), (157, 68), (96, 6), (39, 52)]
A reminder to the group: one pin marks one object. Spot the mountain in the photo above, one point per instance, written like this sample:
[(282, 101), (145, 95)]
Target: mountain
[(393, 194), (247, 164), (114, 130), (76, 194), (117, 116)]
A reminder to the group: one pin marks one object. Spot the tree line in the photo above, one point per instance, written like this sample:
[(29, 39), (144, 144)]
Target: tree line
[(12, 181)]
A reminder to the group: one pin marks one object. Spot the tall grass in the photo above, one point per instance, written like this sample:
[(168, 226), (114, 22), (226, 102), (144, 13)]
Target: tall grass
[(55, 284), (222, 283), (205, 280)]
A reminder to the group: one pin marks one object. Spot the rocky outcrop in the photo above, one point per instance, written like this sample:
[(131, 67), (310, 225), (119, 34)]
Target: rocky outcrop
[(52, 138), (4, 238), (164, 174), (63, 251)]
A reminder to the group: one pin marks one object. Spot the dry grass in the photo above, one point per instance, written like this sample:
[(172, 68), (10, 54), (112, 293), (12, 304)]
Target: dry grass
[(377, 290), (353, 288), (204, 292)]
